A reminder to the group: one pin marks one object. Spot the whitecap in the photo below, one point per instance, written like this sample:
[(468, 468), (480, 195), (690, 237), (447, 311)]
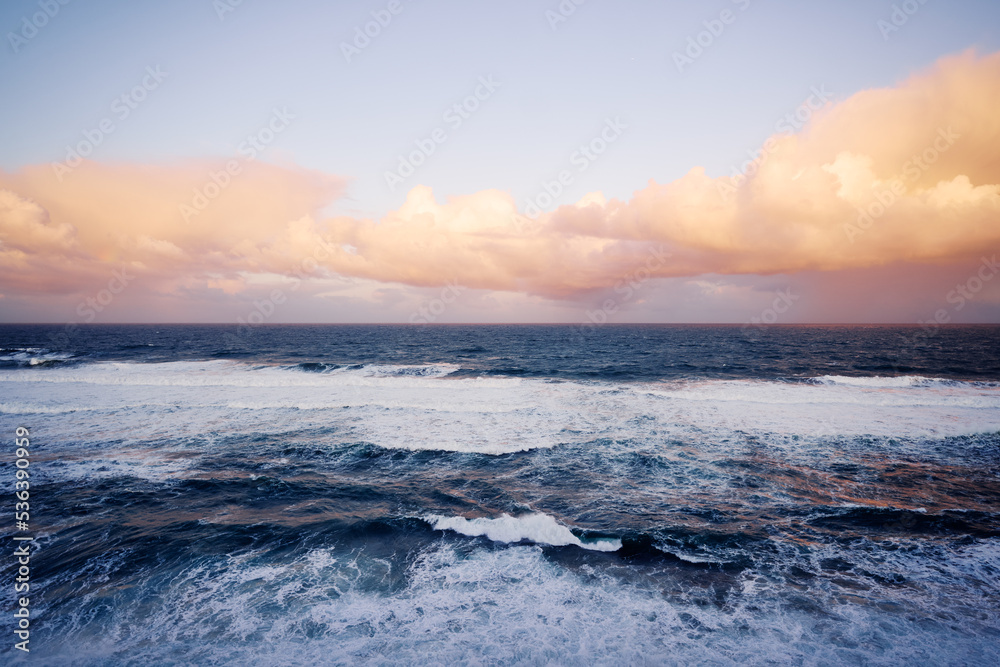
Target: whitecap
[(537, 528)]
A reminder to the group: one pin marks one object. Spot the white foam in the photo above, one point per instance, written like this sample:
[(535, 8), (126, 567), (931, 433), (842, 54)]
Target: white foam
[(881, 381), (33, 355), (410, 370), (421, 408), (537, 528), (511, 606), (34, 409), (880, 392)]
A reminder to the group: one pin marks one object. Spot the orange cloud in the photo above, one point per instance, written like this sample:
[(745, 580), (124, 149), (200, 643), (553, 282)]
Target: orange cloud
[(906, 174), (63, 235)]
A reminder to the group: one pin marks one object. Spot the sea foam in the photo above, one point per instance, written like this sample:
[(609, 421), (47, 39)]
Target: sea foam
[(537, 528)]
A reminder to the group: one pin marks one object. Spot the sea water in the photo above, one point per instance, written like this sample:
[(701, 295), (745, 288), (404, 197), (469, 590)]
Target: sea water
[(507, 494)]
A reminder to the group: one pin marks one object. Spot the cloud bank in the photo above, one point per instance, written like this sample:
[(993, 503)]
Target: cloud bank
[(901, 175)]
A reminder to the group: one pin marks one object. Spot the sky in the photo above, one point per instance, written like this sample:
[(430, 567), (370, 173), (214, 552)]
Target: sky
[(731, 161)]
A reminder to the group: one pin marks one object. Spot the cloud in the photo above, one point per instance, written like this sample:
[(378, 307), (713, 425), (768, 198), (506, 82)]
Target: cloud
[(70, 234), (905, 175)]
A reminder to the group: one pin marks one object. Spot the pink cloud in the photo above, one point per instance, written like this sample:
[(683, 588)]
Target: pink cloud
[(905, 175)]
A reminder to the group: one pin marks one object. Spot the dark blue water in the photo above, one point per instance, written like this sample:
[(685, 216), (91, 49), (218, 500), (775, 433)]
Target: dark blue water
[(619, 352), (508, 494)]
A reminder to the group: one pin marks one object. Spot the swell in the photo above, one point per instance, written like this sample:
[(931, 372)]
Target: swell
[(252, 511)]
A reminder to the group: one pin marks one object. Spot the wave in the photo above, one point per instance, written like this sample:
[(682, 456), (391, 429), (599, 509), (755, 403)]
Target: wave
[(316, 367), (34, 409), (379, 370), (895, 382), (507, 606), (537, 528), (218, 372), (420, 408), (268, 594), (429, 370), (913, 391), (31, 356)]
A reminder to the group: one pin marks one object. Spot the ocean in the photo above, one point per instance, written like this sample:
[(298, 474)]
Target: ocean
[(494, 495)]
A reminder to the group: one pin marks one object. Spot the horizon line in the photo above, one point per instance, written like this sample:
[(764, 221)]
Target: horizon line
[(930, 324)]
